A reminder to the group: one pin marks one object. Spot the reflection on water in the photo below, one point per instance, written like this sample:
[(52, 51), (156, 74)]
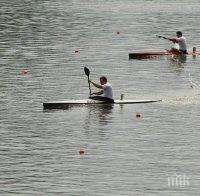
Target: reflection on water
[(101, 114), (177, 62), (179, 59), (104, 113)]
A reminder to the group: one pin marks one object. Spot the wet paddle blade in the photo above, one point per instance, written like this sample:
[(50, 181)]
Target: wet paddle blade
[(87, 71)]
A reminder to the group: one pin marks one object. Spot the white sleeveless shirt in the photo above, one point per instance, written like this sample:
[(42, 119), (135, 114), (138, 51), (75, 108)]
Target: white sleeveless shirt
[(182, 43), (107, 90)]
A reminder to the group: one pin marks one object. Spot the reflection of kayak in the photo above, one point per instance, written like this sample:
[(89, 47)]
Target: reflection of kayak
[(150, 54), (67, 103)]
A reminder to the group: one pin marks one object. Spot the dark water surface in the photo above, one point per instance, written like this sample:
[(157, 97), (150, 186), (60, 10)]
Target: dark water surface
[(44, 46)]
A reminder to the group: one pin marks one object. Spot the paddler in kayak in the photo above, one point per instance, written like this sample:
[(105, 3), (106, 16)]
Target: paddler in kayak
[(105, 94), (181, 41)]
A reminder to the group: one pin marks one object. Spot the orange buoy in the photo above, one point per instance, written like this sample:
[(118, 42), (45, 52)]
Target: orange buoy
[(138, 115), (24, 71), (81, 151)]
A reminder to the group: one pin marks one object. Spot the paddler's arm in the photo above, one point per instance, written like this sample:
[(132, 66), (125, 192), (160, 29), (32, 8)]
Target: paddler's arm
[(174, 40), (96, 85), (97, 93)]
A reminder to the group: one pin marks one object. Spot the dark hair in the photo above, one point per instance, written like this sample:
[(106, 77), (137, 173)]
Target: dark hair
[(179, 33), (103, 78)]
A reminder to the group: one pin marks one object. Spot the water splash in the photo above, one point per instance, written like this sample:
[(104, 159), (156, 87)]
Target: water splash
[(190, 98)]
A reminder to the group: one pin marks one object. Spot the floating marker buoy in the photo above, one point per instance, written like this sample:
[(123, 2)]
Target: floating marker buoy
[(76, 51), (81, 151), (138, 115), (24, 71), (118, 32)]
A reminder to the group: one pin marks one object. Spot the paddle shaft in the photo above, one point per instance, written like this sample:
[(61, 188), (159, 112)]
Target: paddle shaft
[(89, 85)]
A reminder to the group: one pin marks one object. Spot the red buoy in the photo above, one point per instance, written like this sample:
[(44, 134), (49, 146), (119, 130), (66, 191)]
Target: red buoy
[(138, 115), (81, 151), (24, 71)]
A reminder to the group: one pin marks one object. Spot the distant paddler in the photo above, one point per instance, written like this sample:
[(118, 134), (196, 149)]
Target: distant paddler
[(106, 92), (180, 40)]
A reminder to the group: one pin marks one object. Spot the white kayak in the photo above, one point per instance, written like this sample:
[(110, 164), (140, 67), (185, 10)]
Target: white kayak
[(67, 103)]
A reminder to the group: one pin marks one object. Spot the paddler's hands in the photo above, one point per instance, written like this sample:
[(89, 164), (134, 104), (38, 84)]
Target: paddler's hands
[(91, 82)]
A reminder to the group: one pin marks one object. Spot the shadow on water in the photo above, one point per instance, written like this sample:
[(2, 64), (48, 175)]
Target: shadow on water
[(91, 120), (95, 112)]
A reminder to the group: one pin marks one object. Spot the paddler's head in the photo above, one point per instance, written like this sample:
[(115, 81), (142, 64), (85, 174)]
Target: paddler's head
[(103, 80), (179, 34)]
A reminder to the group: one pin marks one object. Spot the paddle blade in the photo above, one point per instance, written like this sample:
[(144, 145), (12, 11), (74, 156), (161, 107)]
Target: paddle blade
[(87, 71)]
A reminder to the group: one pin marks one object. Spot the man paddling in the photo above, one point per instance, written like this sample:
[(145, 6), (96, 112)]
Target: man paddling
[(105, 94), (181, 41)]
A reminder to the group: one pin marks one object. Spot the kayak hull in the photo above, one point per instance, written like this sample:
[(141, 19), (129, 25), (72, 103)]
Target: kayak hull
[(151, 54), (68, 103)]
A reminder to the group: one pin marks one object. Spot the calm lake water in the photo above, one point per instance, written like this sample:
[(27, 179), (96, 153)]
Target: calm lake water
[(44, 46)]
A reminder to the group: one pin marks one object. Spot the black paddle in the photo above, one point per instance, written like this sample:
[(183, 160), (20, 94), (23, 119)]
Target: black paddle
[(87, 73), (160, 36)]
